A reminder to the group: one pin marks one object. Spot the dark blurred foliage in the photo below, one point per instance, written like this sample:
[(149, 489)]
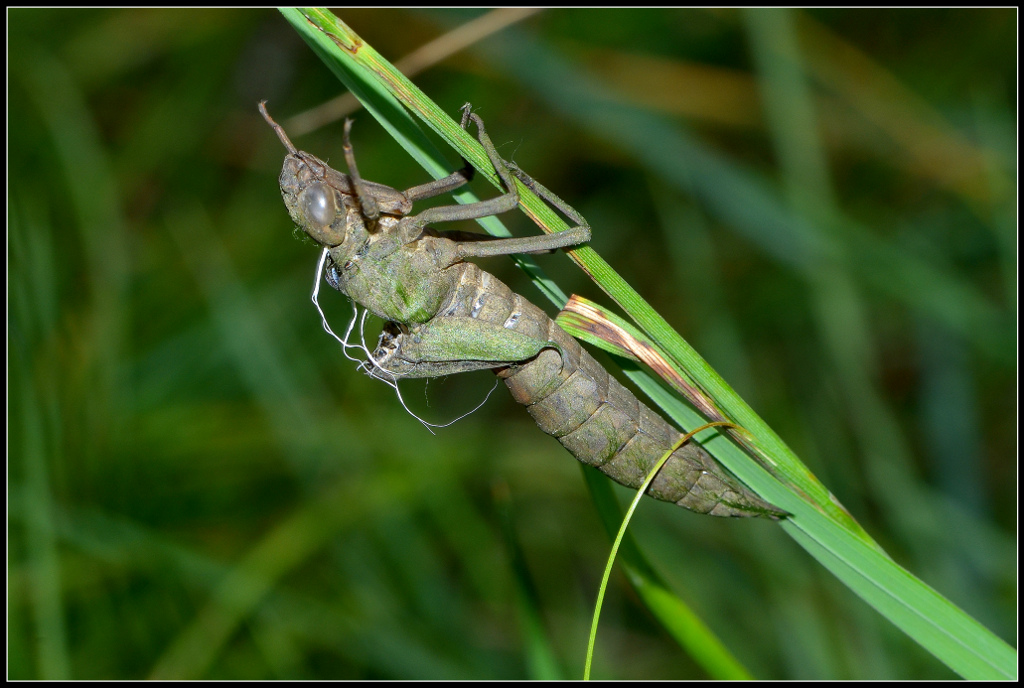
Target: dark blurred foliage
[(201, 486)]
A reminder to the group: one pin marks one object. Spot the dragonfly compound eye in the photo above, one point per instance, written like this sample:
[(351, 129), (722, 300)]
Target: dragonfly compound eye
[(318, 205), (316, 212)]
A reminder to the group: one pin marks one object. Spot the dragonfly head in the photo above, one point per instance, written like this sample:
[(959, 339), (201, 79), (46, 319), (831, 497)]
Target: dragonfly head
[(314, 194)]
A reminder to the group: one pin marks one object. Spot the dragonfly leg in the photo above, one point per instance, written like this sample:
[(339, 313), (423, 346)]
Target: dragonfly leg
[(549, 197), (543, 243), (579, 234), (442, 186), (371, 210), (449, 183), (412, 227)]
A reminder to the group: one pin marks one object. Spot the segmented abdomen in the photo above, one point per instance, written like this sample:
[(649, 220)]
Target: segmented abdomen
[(574, 399)]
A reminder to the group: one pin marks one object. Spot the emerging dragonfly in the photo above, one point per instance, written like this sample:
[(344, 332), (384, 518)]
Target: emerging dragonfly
[(445, 315)]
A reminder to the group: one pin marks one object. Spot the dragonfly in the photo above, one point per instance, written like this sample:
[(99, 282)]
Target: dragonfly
[(445, 315)]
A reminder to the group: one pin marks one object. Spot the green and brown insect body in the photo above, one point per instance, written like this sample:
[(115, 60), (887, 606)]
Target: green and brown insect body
[(445, 315)]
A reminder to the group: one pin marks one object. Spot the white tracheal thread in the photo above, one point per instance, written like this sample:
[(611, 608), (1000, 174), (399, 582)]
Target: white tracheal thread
[(383, 375)]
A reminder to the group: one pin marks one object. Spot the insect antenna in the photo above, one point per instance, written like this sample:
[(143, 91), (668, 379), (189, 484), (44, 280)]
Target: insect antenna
[(278, 129)]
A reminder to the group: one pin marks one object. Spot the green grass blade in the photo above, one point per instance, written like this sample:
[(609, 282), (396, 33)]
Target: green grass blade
[(681, 622)]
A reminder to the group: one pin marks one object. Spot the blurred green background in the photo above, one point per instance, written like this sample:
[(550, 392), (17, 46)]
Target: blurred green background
[(201, 486)]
